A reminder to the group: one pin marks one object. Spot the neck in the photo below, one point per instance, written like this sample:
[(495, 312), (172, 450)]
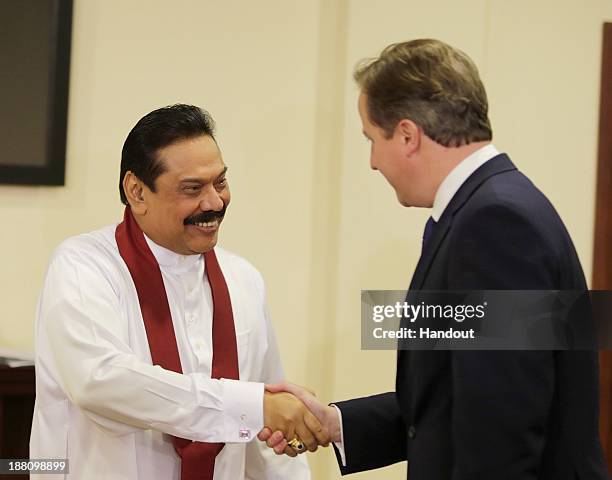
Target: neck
[(444, 159), (454, 155)]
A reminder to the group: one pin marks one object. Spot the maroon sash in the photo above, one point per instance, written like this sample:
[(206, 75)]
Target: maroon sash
[(197, 458)]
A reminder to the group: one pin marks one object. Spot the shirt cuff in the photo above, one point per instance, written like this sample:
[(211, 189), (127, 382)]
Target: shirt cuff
[(243, 408), (340, 445)]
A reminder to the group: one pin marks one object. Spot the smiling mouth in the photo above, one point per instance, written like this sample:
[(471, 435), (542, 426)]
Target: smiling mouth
[(206, 220), (213, 224)]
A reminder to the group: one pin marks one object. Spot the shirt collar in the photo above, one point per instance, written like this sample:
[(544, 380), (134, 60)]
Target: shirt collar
[(458, 176), (168, 258)]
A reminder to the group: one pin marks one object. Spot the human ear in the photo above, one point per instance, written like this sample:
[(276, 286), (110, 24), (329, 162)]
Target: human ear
[(134, 192), (410, 135)]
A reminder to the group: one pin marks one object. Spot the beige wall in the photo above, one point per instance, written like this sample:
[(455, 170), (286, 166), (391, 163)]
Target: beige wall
[(306, 209), (540, 62)]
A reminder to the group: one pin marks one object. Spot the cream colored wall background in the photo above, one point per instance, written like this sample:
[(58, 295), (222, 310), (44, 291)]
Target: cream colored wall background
[(306, 209)]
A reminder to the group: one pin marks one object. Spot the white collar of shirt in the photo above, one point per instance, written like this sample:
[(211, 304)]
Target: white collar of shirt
[(168, 258), (458, 176)]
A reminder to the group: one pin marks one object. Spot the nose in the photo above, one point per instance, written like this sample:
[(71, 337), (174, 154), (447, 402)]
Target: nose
[(211, 200), (372, 162)]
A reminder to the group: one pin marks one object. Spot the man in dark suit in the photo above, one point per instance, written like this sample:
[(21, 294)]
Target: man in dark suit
[(466, 415)]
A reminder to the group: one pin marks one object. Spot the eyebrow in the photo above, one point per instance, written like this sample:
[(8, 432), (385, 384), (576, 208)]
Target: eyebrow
[(199, 180), (223, 172)]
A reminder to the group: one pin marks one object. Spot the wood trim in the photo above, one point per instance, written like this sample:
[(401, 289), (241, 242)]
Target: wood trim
[(602, 255), (17, 389)]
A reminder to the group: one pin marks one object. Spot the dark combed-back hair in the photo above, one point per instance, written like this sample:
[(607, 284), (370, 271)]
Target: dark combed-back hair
[(431, 83), (156, 130)]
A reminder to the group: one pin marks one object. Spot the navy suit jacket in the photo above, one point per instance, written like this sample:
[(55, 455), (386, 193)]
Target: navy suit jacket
[(488, 415)]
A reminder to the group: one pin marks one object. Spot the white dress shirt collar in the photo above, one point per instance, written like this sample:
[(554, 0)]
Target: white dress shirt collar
[(458, 176), (168, 258)]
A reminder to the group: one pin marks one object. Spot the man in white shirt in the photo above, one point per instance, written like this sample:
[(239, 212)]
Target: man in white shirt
[(466, 415), (153, 346)]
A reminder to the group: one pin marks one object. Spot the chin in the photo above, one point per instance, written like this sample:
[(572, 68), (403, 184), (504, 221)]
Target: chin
[(201, 247), (404, 202), (414, 202)]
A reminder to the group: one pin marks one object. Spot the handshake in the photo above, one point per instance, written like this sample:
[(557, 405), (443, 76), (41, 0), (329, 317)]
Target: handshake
[(295, 421)]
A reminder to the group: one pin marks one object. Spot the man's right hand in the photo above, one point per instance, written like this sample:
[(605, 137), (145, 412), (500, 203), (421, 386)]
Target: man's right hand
[(287, 416), (327, 417)]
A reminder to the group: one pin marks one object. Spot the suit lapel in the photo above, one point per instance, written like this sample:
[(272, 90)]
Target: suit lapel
[(429, 253)]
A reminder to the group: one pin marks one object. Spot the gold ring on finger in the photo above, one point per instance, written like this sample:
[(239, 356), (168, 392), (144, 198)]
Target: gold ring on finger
[(297, 445)]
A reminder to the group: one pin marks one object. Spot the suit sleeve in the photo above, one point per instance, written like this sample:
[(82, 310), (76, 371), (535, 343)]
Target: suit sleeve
[(501, 399), (374, 433)]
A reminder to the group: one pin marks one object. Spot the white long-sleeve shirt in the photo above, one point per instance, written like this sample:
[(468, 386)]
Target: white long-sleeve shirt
[(102, 404)]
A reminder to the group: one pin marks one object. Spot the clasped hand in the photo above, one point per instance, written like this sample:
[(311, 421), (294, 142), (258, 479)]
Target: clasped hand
[(291, 411)]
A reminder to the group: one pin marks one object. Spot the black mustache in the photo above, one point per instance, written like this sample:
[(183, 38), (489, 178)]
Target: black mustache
[(205, 217)]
